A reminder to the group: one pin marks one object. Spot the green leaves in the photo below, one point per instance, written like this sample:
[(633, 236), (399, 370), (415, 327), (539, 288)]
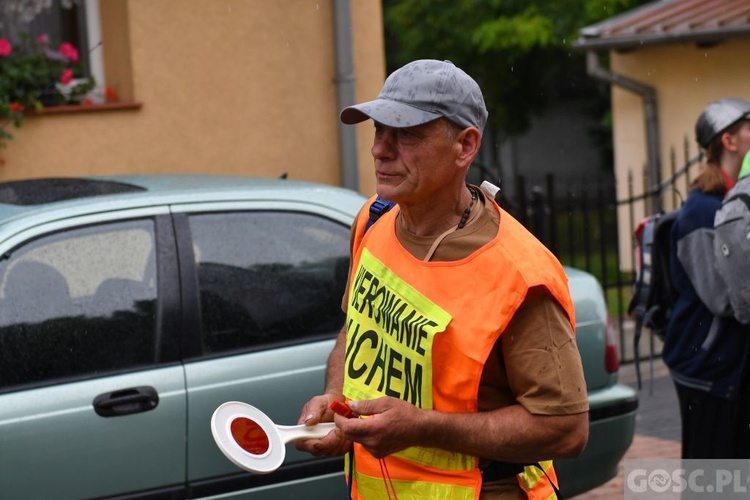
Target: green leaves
[(518, 50), (516, 34)]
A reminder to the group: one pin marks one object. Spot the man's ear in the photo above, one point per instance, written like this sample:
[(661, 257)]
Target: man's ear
[(469, 139)]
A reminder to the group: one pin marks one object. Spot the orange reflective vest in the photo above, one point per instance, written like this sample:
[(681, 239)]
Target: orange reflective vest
[(422, 331)]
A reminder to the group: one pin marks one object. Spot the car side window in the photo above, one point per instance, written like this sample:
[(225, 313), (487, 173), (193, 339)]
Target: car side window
[(268, 276), (78, 302)]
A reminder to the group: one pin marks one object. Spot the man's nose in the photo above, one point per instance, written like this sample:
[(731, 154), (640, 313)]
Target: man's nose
[(383, 145)]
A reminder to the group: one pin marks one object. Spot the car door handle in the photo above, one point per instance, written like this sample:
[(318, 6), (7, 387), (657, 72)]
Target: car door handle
[(126, 401)]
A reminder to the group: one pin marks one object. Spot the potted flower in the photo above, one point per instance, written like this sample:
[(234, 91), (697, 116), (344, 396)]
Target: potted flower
[(33, 75)]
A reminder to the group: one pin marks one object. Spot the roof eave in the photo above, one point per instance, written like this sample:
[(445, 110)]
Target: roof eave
[(641, 40)]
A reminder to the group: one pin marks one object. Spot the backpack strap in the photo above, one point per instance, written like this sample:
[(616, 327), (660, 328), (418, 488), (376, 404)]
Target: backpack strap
[(377, 209), (743, 197)]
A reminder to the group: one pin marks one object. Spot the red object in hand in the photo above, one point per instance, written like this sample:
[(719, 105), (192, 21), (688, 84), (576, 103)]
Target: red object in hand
[(341, 409)]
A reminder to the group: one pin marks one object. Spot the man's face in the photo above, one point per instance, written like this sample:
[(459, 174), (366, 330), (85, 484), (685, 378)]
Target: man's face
[(413, 163)]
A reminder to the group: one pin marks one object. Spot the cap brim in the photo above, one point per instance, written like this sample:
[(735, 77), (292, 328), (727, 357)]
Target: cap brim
[(388, 112)]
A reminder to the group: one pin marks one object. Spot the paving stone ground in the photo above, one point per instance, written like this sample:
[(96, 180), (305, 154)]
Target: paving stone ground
[(657, 425)]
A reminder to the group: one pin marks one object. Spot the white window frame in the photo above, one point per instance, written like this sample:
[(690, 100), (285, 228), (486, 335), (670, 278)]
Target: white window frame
[(94, 37)]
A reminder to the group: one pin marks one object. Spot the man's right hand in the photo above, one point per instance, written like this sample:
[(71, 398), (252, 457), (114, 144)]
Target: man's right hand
[(315, 411)]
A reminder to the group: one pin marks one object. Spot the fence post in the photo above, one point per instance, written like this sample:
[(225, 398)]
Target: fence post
[(687, 171), (523, 207), (602, 205), (586, 212), (539, 214), (631, 226), (673, 169), (570, 209), (553, 246)]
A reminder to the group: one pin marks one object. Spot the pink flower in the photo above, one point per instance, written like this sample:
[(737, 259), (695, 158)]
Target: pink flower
[(67, 76), (4, 47), (42, 39), (70, 52)]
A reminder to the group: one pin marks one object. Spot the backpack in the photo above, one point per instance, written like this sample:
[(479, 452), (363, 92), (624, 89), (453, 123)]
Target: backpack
[(732, 247), (653, 293)]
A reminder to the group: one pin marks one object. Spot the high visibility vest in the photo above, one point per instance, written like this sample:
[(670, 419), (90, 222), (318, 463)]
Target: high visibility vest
[(422, 331)]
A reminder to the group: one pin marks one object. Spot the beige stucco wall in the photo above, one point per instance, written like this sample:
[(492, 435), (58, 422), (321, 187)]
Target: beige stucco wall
[(226, 86), (686, 77)]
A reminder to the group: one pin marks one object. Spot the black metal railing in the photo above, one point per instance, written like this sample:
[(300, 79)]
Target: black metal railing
[(579, 220)]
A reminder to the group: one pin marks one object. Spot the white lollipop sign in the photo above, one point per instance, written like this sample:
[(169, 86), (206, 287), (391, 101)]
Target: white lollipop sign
[(250, 439)]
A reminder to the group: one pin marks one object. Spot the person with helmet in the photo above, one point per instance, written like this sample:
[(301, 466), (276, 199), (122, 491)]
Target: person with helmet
[(708, 354), (459, 350)]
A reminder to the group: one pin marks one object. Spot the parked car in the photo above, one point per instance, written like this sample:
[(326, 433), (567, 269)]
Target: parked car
[(132, 307)]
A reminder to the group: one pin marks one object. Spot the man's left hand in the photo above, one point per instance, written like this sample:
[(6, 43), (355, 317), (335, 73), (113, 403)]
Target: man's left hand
[(386, 425)]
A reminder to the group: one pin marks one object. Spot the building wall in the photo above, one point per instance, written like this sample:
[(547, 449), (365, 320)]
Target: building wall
[(686, 78), (225, 87)]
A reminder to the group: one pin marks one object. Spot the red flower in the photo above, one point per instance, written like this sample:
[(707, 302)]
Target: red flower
[(4, 47), (70, 52), (67, 76), (109, 94), (42, 39), (16, 107)]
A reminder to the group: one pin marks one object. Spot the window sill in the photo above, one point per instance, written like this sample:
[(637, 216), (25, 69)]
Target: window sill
[(87, 108)]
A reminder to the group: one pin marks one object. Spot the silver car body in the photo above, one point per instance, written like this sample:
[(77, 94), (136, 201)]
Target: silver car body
[(52, 441)]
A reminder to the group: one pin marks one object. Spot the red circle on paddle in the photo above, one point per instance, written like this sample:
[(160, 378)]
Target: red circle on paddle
[(250, 436)]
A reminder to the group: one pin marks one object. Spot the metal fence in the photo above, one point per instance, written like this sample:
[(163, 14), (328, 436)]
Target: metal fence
[(579, 219)]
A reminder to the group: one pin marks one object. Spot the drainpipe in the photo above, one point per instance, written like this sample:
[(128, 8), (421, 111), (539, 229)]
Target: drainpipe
[(345, 93), (594, 69)]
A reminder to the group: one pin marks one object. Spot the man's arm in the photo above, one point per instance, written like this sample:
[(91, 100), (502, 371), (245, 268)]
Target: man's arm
[(510, 434), (318, 408), (335, 368)]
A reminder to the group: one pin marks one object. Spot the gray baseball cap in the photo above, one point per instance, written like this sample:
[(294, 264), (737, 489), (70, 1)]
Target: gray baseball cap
[(718, 116), (422, 91)]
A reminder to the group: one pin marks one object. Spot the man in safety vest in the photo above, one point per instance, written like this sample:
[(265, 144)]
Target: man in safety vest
[(458, 351)]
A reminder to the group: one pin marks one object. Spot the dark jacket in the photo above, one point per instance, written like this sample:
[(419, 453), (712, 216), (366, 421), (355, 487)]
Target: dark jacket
[(703, 351)]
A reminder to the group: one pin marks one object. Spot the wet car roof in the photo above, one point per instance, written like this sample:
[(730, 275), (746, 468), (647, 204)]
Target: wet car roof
[(71, 195)]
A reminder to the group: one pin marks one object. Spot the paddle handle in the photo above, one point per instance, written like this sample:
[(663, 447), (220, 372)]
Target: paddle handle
[(291, 433)]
